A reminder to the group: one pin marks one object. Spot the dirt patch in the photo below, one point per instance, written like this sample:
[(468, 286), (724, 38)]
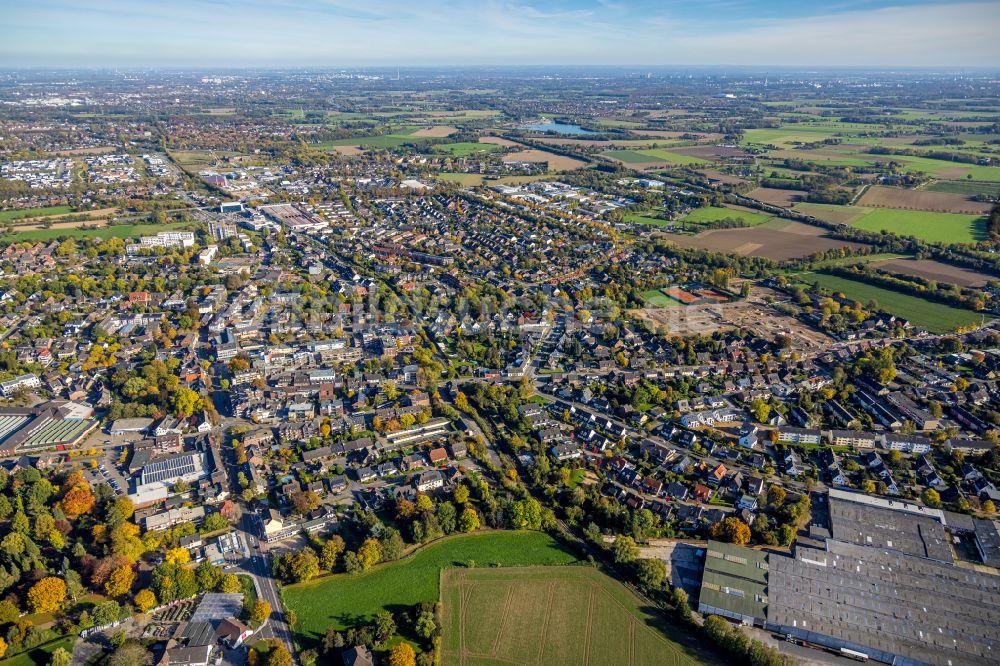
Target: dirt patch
[(349, 151), (776, 196), (667, 134), (792, 242), (722, 177), (752, 314), (953, 173), (878, 196), (929, 269), (499, 141), (556, 162), (102, 150), (92, 216), (438, 131)]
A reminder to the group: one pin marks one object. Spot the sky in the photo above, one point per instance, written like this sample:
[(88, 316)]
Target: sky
[(352, 33)]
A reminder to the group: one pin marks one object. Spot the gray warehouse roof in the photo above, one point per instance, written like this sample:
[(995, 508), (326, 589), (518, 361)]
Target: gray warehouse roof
[(888, 602)]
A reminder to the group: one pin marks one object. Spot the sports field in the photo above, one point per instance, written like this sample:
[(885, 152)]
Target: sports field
[(343, 600), (716, 213), (936, 317), (658, 299), (931, 227), (553, 617)]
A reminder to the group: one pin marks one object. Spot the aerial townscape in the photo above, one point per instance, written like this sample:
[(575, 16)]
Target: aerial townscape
[(475, 361)]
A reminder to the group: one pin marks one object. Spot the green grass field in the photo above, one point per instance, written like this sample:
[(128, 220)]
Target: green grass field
[(936, 317), (41, 655), (343, 600), (465, 148), (969, 187), (944, 168), (643, 219), (658, 299), (553, 617), (104, 233), (931, 227), (10, 215), (716, 213)]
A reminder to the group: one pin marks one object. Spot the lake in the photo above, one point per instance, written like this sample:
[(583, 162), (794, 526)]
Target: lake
[(558, 128)]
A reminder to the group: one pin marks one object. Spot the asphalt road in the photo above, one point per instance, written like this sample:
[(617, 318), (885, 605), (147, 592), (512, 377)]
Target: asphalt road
[(260, 570)]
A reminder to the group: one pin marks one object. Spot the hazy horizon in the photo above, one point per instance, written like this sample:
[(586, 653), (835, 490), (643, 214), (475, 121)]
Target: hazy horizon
[(884, 34)]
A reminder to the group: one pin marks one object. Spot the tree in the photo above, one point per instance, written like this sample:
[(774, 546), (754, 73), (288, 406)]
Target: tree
[(207, 576), (121, 581), (304, 566), (213, 523), (731, 530), (760, 410), (468, 521), (178, 556), (402, 654), (385, 627), (185, 402), (989, 506), (47, 595), (625, 550), (3, 647), (61, 657), (931, 498), (145, 600), (392, 544), (77, 501), (651, 573), (278, 654), (261, 611), (230, 584), (462, 402), (131, 654), (776, 496), (331, 552), (369, 553), (425, 625), (305, 501), (461, 493)]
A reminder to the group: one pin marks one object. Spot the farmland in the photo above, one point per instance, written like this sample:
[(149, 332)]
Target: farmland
[(931, 227), (929, 269), (552, 616), (967, 187), (341, 600), (464, 148), (936, 317), (716, 213), (779, 240), (555, 162), (654, 156), (940, 202)]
